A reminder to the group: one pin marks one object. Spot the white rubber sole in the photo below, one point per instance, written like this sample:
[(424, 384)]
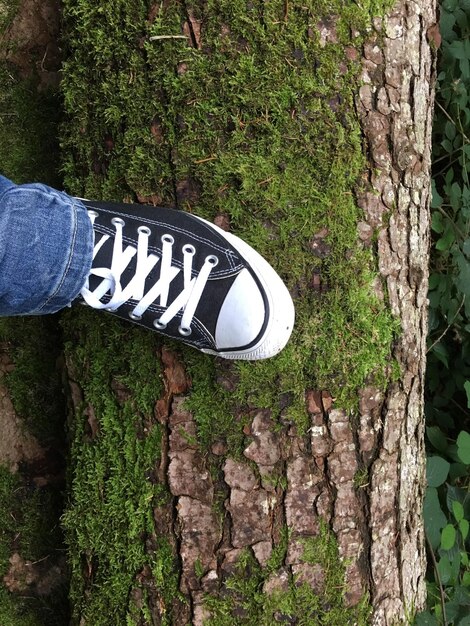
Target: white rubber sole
[(282, 317)]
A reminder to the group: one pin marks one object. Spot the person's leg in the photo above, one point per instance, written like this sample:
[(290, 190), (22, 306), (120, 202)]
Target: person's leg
[(46, 248), (161, 268)]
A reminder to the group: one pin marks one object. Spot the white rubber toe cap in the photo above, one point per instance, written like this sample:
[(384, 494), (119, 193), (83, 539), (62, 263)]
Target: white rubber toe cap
[(242, 314), (246, 307)]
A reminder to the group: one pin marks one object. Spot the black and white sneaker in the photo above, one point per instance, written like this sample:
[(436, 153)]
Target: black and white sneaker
[(188, 279)]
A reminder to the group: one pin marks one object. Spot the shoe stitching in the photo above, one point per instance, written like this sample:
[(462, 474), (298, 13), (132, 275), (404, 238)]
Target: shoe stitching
[(106, 230), (198, 342), (228, 253)]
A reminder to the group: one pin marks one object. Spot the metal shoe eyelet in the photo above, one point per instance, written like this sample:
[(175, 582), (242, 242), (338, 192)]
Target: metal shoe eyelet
[(168, 239), (184, 331), (133, 317), (159, 325), (144, 230), (118, 221), (212, 260), (189, 249)]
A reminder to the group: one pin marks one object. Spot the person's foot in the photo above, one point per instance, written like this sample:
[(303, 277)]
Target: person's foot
[(186, 278)]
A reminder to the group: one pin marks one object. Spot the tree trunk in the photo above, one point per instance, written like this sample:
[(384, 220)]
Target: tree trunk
[(379, 527), (274, 513), (396, 108)]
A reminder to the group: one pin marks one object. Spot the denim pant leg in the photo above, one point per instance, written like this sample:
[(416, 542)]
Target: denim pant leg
[(46, 248)]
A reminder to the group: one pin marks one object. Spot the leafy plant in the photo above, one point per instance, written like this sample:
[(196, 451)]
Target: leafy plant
[(447, 501)]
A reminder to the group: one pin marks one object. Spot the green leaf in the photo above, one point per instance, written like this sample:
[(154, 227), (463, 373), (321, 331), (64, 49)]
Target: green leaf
[(457, 510), (448, 537), (437, 438), (465, 621), (446, 24), (449, 177), (445, 242), (447, 146), (437, 470), (434, 300), (436, 200), (463, 447), (466, 386), (459, 494), (440, 352), (450, 130), (462, 97), (457, 470), (462, 595), (434, 518), (457, 49), (426, 619), (464, 67), (452, 611), (464, 527), (434, 281), (450, 5), (444, 570), (437, 223), (466, 579), (463, 280), (456, 196)]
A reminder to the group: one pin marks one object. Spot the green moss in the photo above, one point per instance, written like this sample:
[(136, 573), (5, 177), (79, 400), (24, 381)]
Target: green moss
[(29, 121), (8, 11), (14, 612), (255, 120), (246, 124), (30, 516), (26, 523), (279, 553), (353, 342), (213, 406), (30, 521), (29, 526), (243, 601), (35, 385), (8, 485), (112, 479), (361, 478)]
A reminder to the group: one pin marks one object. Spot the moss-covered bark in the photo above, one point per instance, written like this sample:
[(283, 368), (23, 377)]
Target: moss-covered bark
[(32, 462), (33, 567), (29, 98), (255, 493)]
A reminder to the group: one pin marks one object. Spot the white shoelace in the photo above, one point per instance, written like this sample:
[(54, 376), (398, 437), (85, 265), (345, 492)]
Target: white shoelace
[(187, 300)]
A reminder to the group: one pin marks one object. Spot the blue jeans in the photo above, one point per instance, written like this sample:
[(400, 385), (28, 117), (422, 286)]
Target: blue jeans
[(46, 248)]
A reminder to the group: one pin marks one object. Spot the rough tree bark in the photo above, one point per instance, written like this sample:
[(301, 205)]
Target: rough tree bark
[(379, 528), (379, 525), (396, 106)]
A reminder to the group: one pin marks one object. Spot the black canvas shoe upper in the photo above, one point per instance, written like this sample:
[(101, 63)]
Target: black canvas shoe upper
[(185, 253)]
